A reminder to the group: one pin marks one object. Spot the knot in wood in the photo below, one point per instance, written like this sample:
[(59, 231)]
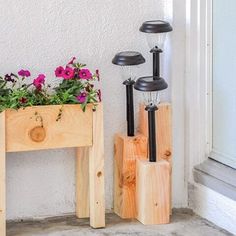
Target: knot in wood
[(167, 153), (37, 134)]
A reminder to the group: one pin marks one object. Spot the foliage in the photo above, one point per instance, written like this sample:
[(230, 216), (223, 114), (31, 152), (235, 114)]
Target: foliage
[(76, 87)]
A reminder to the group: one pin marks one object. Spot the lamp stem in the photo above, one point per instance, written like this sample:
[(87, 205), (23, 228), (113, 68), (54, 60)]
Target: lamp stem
[(156, 62), (129, 107), (152, 132)]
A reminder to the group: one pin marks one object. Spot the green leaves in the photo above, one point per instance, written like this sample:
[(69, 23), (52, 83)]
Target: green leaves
[(17, 91)]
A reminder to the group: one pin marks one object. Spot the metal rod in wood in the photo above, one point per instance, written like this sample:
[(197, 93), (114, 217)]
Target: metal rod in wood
[(129, 107), (152, 132)]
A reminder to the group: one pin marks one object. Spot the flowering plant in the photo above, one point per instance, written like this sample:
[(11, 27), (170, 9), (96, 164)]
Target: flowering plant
[(76, 87)]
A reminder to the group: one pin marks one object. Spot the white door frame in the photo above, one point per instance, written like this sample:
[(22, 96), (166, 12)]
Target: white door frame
[(198, 86)]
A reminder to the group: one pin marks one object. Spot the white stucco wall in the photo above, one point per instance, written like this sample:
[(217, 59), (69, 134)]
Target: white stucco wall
[(39, 35)]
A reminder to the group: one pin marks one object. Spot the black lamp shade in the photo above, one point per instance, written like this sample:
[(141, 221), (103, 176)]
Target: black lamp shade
[(150, 84), (128, 58), (155, 26)]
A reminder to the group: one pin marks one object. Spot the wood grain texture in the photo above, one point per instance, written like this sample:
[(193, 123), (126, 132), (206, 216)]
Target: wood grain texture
[(153, 192), (96, 172), (82, 182), (37, 128), (2, 175), (163, 129), (163, 134), (127, 150)]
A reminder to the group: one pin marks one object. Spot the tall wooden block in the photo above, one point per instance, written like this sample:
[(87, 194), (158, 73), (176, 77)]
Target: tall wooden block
[(127, 149), (153, 192)]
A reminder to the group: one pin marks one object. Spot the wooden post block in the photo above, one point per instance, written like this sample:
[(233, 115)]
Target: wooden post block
[(82, 182), (2, 175), (127, 149), (163, 134), (96, 172), (153, 192), (163, 130)]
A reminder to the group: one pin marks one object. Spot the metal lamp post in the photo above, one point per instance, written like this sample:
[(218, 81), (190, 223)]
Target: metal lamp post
[(150, 89), (156, 34), (128, 61)]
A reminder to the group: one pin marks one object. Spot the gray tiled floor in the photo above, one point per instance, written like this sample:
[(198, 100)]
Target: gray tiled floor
[(183, 223)]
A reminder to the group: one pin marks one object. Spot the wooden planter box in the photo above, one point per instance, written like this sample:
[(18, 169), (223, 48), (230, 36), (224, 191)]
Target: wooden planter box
[(35, 128)]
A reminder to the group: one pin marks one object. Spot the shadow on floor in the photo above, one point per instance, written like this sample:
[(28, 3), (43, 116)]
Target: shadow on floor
[(183, 223)]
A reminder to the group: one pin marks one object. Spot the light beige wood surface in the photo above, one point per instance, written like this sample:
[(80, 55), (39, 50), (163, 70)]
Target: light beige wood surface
[(96, 172), (163, 134), (153, 192), (82, 182), (127, 149), (35, 128), (163, 129), (2, 176)]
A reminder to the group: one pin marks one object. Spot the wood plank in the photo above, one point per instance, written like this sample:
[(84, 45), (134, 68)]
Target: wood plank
[(82, 182), (96, 172), (2, 176), (36, 128), (127, 150), (153, 192)]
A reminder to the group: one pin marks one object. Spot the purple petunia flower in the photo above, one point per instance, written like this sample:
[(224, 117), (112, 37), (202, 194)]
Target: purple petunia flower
[(24, 73), (98, 74), (23, 100), (99, 93), (82, 97), (85, 74), (9, 78)]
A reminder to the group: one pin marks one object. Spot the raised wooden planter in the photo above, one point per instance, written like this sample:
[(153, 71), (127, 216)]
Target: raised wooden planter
[(35, 128)]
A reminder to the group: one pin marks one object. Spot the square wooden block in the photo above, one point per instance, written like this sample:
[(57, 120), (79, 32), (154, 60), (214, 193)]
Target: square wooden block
[(153, 192)]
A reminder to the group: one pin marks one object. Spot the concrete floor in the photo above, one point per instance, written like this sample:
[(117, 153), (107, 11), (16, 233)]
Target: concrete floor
[(183, 223)]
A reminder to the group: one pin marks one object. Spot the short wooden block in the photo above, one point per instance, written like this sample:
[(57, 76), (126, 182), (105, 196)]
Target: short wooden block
[(163, 134), (153, 192), (127, 149)]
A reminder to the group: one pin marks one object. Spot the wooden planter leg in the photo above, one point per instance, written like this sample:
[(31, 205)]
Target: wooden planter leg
[(96, 172), (2, 176), (82, 182)]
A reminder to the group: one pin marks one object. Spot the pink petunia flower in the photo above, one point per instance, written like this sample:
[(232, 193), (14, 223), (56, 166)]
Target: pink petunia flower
[(59, 72), (68, 73), (85, 74), (82, 97), (24, 73), (39, 81), (71, 61)]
